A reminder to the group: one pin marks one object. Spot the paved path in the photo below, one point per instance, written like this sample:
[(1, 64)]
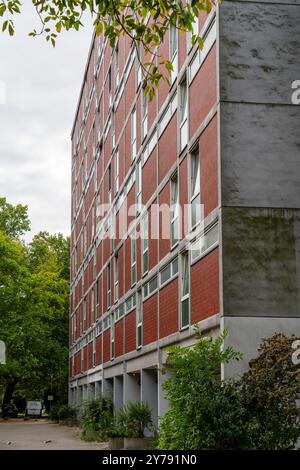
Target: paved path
[(17, 434)]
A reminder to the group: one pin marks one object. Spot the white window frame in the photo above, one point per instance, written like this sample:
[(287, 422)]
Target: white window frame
[(184, 297), (109, 78), (145, 243), (112, 337), (144, 114), (116, 62), (133, 259), (173, 51), (116, 277), (195, 188), (116, 168), (139, 319), (108, 286), (174, 197), (139, 186), (109, 185), (183, 114), (92, 306), (133, 134)]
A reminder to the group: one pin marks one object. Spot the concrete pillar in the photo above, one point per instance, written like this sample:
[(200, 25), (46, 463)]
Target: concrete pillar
[(91, 391), (149, 392), (107, 387), (98, 389), (163, 404), (118, 391), (132, 387)]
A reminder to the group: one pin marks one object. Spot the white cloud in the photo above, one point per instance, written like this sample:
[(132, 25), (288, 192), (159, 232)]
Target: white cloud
[(42, 86)]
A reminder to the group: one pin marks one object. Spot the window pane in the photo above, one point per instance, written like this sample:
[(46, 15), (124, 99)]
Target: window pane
[(174, 232), (195, 206), (165, 274), (185, 276), (139, 335), (195, 175), (185, 313), (175, 266), (153, 285), (145, 261)]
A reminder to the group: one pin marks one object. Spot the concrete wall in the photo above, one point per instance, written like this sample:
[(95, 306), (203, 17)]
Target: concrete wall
[(259, 166)]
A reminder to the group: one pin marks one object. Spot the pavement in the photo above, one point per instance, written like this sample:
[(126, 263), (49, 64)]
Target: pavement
[(17, 434)]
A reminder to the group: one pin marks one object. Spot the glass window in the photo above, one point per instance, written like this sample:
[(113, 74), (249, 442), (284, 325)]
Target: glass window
[(139, 319), (144, 114), (133, 134), (185, 291), (133, 259), (116, 162), (195, 189), (108, 286), (173, 51), (174, 210), (116, 276), (145, 244), (183, 115)]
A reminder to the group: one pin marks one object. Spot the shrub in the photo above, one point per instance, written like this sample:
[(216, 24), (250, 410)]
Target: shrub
[(257, 412), (204, 412), (53, 413), (133, 419), (98, 416), (67, 414), (269, 392)]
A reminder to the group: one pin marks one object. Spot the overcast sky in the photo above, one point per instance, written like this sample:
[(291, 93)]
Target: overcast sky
[(42, 87)]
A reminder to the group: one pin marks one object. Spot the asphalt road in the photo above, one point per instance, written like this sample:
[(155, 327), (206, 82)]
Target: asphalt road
[(16, 434)]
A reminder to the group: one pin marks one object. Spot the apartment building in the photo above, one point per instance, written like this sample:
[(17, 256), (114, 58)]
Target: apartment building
[(185, 209)]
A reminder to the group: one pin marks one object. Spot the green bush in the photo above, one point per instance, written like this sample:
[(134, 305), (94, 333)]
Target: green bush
[(53, 413), (98, 417), (257, 412), (270, 390), (67, 414), (133, 419)]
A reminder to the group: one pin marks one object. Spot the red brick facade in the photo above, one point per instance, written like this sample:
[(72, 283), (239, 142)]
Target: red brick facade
[(104, 288)]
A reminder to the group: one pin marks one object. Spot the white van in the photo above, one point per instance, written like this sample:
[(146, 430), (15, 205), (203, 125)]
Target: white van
[(34, 408)]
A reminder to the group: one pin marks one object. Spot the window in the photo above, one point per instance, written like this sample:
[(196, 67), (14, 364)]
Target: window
[(94, 351), (113, 135), (139, 319), (92, 306), (116, 165), (139, 186), (138, 66), (97, 297), (169, 272), (145, 243), (116, 276), (174, 210), (173, 51), (150, 287), (112, 337), (82, 360), (195, 188), (133, 259), (84, 315), (108, 287), (116, 60), (133, 134), (109, 88), (109, 183), (185, 291), (183, 114), (94, 136), (144, 114)]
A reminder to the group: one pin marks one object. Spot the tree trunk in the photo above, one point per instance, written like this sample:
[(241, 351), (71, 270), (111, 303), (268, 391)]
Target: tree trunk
[(10, 388)]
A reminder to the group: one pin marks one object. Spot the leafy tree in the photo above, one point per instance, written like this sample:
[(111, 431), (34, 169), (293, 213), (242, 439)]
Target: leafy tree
[(144, 21), (34, 300), (14, 220)]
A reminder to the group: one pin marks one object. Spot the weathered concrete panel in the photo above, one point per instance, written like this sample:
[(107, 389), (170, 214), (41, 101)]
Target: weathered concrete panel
[(259, 51), (260, 155), (261, 262), (245, 335)]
